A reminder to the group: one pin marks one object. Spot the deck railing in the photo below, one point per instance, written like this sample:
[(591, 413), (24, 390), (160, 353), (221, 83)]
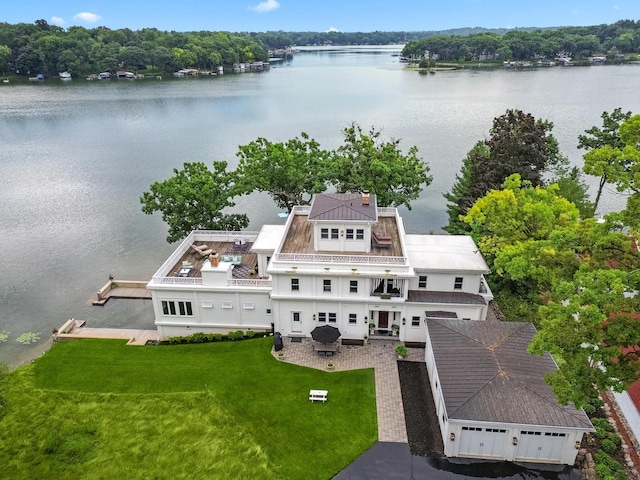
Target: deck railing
[(320, 258), (236, 282)]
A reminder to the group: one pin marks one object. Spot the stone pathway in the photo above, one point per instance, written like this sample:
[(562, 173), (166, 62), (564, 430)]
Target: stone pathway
[(377, 354)]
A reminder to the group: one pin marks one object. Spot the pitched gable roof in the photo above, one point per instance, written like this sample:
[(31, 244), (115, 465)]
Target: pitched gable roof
[(486, 374), (343, 207)]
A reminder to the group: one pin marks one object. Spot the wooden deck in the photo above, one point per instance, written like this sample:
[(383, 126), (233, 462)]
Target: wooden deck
[(249, 259), (129, 289), (300, 238)]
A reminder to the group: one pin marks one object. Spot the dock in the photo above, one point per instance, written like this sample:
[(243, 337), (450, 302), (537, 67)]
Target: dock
[(74, 329), (129, 289)]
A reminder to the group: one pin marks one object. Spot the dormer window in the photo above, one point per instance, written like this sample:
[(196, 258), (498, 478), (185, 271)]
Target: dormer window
[(457, 284)]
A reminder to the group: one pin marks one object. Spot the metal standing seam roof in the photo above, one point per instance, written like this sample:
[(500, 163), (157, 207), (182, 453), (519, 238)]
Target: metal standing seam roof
[(486, 374), (343, 207)]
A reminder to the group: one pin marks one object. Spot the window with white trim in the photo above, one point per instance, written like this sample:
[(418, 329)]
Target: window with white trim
[(353, 286), (324, 233), (326, 285), (322, 317), (350, 234), (180, 308), (249, 306), (332, 317), (415, 321), (353, 318), (457, 283), (269, 311), (227, 305), (422, 281), (359, 234), (334, 234), (295, 284)]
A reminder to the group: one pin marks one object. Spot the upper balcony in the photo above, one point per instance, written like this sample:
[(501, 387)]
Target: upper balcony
[(298, 245), (184, 266)]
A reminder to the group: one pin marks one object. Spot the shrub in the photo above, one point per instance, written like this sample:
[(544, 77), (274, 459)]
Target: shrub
[(401, 350), (197, 337), (602, 426), (216, 337), (424, 63), (237, 335), (607, 466), (609, 446), (249, 334)]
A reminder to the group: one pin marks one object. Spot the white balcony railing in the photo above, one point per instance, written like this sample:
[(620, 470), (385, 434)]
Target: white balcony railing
[(320, 258)]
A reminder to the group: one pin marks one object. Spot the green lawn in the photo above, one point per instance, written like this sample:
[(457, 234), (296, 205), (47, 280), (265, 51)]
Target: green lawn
[(101, 409)]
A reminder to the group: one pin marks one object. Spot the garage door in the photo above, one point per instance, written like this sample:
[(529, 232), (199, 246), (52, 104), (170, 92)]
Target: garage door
[(541, 446), (482, 442)]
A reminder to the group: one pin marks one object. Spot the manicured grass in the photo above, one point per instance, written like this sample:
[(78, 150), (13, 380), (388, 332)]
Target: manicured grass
[(101, 409)]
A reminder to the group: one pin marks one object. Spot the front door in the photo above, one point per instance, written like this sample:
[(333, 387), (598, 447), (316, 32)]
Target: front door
[(383, 320), (296, 322)]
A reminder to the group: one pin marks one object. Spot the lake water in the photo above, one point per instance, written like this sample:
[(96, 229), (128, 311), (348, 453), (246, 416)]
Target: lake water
[(76, 156)]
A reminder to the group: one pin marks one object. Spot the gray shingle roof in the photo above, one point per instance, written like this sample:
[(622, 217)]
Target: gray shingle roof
[(343, 207), (486, 374), (429, 296)]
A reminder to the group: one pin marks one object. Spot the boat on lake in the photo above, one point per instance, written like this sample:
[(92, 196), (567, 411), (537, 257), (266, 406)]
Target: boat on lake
[(64, 75)]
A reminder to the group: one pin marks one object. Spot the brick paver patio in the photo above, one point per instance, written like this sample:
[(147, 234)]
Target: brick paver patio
[(378, 354)]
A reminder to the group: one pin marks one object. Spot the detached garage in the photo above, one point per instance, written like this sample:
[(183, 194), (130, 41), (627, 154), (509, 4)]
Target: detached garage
[(491, 398)]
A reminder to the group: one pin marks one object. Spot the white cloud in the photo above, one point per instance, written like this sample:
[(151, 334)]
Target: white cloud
[(332, 29), (615, 7), (87, 17), (57, 21), (265, 6)]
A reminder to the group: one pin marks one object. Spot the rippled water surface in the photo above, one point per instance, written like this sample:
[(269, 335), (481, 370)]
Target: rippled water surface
[(76, 156)]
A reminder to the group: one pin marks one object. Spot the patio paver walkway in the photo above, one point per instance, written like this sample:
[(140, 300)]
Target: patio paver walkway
[(378, 354)]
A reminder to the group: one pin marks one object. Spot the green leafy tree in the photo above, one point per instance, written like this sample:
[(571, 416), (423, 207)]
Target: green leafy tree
[(5, 58), (518, 144), (366, 162), (572, 187), (290, 172), (458, 199), (194, 198), (527, 234), (604, 163), (592, 328)]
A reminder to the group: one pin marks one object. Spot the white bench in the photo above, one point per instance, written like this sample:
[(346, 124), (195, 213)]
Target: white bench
[(320, 395)]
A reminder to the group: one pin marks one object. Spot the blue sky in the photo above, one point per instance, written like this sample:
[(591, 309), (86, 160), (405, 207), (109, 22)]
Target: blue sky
[(318, 15)]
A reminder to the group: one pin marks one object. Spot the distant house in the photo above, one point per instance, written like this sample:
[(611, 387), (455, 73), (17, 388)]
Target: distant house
[(491, 398), (343, 261)]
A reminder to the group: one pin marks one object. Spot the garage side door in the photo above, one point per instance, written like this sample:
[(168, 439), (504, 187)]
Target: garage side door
[(482, 442), (536, 446)]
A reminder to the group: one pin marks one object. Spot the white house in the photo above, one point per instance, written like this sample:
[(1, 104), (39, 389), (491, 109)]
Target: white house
[(345, 262), (341, 261), (491, 398)]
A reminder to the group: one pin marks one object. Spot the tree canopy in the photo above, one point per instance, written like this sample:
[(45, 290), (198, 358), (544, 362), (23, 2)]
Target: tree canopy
[(518, 144), (582, 277), (194, 198), (600, 164), (366, 162), (291, 172), (617, 161), (530, 44)]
